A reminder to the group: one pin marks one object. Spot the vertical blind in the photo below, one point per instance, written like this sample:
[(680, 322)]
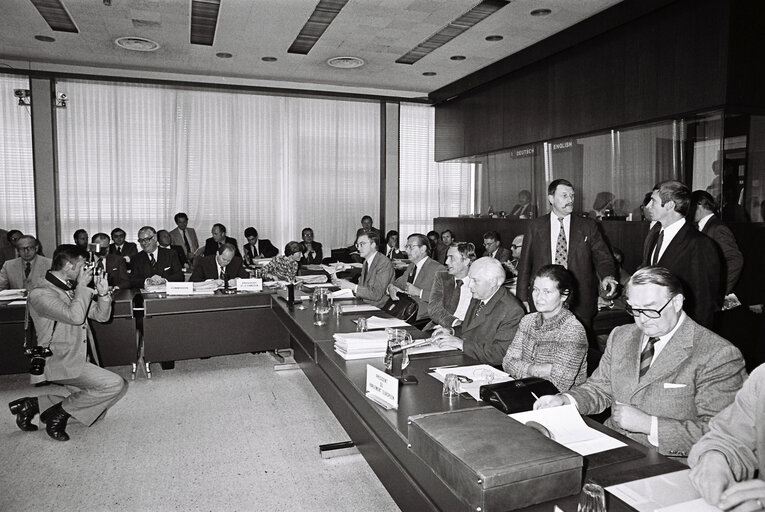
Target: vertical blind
[(135, 154)]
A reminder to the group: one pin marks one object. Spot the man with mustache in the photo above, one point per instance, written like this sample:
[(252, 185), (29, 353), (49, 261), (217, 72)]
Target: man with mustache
[(572, 241)]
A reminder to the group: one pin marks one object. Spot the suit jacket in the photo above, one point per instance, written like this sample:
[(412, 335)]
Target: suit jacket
[(529, 211), (731, 259), (167, 266), (49, 307), (180, 252), (706, 370), (6, 254), (265, 250), (424, 279), (211, 246), (444, 299), (176, 238), (116, 271), (738, 431), (12, 273), (397, 254), (589, 260), (440, 252), (312, 260), (129, 249), (692, 258), (208, 269), (487, 335), (373, 284), (503, 254)]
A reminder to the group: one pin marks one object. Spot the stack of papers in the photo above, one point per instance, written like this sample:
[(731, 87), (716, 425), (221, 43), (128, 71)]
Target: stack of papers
[(480, 374), (358, 308), (375, 322), (14, 294), (320, 278), (343, 294), (361, 345), (567, 427), (671, 492)]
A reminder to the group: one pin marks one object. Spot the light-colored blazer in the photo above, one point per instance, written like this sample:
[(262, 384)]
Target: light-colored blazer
[(12, 273), (49, 305), (177, 238), (373, 285), (424, 280), (695, 376)]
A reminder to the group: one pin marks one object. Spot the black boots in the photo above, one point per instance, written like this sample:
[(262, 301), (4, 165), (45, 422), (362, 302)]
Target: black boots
[(25, 410), (55, 420)]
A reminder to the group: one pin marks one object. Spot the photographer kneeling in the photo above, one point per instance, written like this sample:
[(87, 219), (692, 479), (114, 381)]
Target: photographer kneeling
[(60, 308)]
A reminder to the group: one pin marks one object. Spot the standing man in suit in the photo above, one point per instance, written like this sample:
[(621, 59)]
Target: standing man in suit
[(256, 247), (110, 265), (491, 319), (376, 272), (217, 239), (223, 266), (417, 281), (154, 265), (576, 243), (664, 376), (184, 236), (165, 241), (312, 255), (689, 255), (28, 270), (128, 250), (493, 247), (60, 309), (450, 296)]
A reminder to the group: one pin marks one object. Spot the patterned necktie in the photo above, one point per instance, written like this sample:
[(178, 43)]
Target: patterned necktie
[(659, 242), (27, 269), (412, 275), (186, 241), (364, 272), (479, 307), (152, 260), (101, 265), (223, 273), (561, 248), (646, 356)]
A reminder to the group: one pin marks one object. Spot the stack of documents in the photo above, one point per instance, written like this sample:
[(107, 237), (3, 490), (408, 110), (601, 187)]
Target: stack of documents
[(671, 492), (358, 308), (14, 294), (319, 278), (480, 374), (361, 345), (375, 322)]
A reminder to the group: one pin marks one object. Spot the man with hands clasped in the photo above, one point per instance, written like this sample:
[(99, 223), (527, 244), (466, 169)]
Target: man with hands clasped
[(664, 376), (417, 281)]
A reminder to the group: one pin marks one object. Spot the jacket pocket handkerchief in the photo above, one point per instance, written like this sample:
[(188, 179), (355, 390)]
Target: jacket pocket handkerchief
[(672, 385), (167, 268)]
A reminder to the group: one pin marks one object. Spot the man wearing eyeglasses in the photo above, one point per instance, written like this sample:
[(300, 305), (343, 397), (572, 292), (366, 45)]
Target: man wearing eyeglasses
[(154, 265), (664, 376), (417, 281), (28, 270), (492, 244), (376, 272), (515, 250)]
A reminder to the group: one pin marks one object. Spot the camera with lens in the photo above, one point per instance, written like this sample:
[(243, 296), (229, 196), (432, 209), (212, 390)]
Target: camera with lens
[(37, 356)]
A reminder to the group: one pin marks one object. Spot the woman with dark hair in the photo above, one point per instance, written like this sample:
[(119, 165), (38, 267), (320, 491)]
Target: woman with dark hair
[(285, 267), (550, 343)]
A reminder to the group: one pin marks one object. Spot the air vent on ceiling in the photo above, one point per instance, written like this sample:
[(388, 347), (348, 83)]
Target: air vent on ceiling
[(345, 62), (324, 14), (136, 44), (204, 20), (468, 20), (55, 15)]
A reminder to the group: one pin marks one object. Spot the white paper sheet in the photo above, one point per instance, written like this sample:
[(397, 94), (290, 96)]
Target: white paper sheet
[(670, 492), (375, 322), (481, 374), (358, 308), (15, 293)]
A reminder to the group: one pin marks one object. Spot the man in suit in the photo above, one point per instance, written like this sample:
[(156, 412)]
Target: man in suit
[(729, 461), (81, 238), (312, 255), (392, 251), (257, 247), (28, 270), (689, 255), (524, 209), (9, 252), (376, 272), (704, 207), (366, 227), (664, 376), (60, 309), (217, 239), (515, 255), (417, 281), (572, 241), (111, 265), (154, 265), (223, 266), (165, 241), (492, 244), (450, 296), (184, 236), (491, 319), (128, 250)]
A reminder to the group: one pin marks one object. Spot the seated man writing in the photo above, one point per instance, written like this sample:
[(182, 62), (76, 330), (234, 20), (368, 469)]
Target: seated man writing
[(664, 376), (223, 266)]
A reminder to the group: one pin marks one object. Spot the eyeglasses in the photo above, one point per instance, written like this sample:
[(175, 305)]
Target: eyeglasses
[(487, 244), (411, 246), (145, 240), (648, 313), (361, 244), (513, 246)]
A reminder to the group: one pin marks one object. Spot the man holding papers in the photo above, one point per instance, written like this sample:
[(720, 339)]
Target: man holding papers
[(663, 377), (417, 281), (376, 273)]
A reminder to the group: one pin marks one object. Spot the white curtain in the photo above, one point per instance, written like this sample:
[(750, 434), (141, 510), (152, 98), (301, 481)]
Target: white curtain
[(427, 189), (133, 154), (17, 194)]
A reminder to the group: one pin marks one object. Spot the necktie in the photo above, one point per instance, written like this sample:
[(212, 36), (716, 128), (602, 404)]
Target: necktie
[(561, 248), (186, 242), (455, 300), (659, 241), (119, 250), (101, 265), (152, 260), (458, 283), (364, 272), (27, 269), (223, 273), (412, 275), (646, 356), (479, 307)]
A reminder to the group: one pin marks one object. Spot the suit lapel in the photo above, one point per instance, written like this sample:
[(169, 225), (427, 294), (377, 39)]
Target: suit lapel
[(677, 349), (473, 321), (675, 246)]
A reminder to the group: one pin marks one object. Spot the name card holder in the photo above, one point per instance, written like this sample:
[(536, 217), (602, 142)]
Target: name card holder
[(382, 388), (183, 288), (249, 285)]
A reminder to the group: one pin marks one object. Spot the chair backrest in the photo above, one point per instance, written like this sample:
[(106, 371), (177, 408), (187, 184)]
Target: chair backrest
[(405, 308)]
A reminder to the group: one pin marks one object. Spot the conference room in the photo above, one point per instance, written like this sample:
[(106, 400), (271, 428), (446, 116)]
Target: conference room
[(306, 117)]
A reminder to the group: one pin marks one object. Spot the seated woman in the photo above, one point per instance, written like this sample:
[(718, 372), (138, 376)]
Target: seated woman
[(284, 267), (550, 343)]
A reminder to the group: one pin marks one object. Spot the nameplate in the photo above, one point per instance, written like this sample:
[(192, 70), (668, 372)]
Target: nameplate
[(249, 285), (382, 388), (176, 288)]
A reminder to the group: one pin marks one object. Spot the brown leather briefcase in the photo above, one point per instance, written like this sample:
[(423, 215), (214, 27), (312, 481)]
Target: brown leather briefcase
[(493, 462)]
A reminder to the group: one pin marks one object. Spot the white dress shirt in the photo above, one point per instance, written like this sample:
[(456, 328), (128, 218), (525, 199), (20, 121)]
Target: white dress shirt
[(555, 228)]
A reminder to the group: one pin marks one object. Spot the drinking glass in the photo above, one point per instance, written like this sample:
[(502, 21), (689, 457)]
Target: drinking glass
[(397, 362), (592, 499), (451, 385)]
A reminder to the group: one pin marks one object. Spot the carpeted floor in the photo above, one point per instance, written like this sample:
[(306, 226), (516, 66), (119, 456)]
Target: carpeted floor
[(225, 433)]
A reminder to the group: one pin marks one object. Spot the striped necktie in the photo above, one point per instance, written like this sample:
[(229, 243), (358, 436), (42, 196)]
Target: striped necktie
[(646, 356)]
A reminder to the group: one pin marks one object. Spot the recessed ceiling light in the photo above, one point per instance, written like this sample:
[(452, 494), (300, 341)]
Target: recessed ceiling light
[(540, 12), (45, 39), (223, 55), (457, 57), (429, 73), (136, 44), (269, 59), (345, 62), (494, 38)]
